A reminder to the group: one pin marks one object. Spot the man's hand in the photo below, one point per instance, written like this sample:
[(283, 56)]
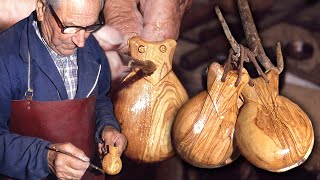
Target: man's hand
[(111, 136), (152, 20), (65, 166), (110, 39), (12, 11)]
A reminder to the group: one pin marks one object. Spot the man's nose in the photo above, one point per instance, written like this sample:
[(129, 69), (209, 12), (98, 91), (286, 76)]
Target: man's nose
[(79, 38)]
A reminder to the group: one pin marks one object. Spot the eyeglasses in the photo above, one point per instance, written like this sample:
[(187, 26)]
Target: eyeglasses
[(74, 29)]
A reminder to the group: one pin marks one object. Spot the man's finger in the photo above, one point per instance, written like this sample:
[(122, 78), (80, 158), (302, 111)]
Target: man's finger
[(109, 38), (121, 143)]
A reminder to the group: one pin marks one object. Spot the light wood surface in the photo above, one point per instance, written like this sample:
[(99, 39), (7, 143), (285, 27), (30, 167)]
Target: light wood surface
[(309, 100), (272, 132), (204, 127), (111, 162), (146, 105)]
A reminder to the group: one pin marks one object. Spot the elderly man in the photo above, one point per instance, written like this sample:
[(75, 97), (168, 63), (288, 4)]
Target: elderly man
[(54, 80), (153, 20)]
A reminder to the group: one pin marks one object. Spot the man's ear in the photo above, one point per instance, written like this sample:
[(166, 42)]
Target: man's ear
[(40, 9)]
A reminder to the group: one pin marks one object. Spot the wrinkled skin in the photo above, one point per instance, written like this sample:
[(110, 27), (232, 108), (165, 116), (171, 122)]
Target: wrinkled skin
[(153, 20), (65, 166), (81, 13), (9, 9), (61, 165), (111, 136)]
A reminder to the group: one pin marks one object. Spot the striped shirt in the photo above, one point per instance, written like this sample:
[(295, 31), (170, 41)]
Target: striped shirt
[(66, 65)]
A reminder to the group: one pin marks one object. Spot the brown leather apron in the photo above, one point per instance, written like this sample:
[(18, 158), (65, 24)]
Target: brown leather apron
[(63, 121)]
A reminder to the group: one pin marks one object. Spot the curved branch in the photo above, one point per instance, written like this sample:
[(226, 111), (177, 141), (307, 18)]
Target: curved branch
[(252, 36), (280, 63), (234, 44)]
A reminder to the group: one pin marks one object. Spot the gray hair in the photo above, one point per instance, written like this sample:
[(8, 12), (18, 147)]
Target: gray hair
[(55, 3), (102, 4)]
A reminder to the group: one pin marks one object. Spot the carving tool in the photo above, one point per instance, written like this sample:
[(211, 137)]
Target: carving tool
[(71, 155)]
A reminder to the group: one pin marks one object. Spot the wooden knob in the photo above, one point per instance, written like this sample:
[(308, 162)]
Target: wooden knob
[(111, 162)]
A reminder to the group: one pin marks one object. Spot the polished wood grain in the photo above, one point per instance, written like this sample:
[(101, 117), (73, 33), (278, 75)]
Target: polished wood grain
[(146, 105), (272, 132), (204, 126), (111, 163)]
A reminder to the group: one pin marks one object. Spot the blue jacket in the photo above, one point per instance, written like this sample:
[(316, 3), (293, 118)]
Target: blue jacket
[(26, 157)]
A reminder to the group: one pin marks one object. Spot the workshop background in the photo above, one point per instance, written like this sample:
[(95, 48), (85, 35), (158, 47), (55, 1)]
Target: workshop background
[(294, 23)]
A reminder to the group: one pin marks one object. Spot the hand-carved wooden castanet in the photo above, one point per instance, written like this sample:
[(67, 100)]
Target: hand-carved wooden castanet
[(204, 127), (272, 132), (111, 162), (146, 105)]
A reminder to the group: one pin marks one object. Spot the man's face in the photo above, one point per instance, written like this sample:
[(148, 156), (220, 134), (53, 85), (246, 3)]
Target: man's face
[(70, 13)]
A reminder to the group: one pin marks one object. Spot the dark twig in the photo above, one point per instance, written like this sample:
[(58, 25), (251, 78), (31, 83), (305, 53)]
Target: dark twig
[(279, 57), (241, 52), (242, 59), (228, 65), (234, 44), (256, 65), (232, 59), (252, 36)]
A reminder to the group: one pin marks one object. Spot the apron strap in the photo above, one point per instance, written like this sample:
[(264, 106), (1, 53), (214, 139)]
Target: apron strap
[(29, 92)]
